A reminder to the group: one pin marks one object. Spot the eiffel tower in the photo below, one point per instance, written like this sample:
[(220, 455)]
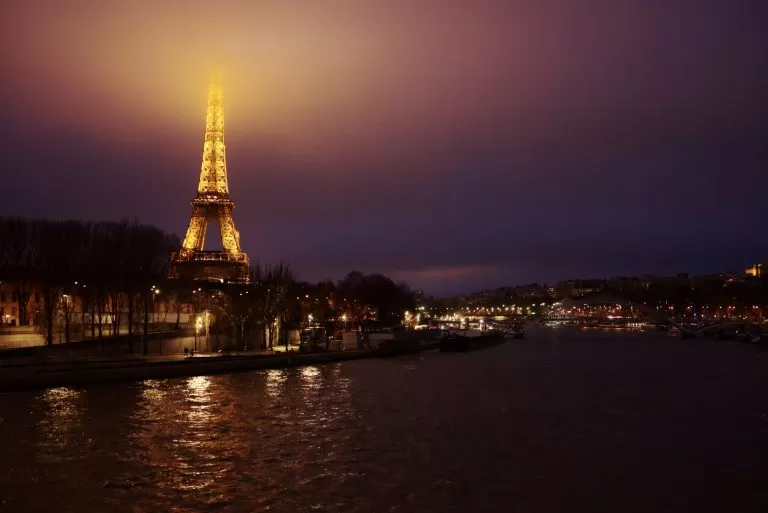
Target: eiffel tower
[(212, 203)]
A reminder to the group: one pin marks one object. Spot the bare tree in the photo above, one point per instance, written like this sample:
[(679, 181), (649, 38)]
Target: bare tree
[(53, 268), (153, 251), (240, 312), (121, 267), (102, 275), (270, 286), (17, 261), (162, 307), (77, 248), (176, 300)]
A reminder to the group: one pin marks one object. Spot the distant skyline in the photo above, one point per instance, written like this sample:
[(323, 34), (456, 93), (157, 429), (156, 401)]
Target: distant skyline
[(458, 146)]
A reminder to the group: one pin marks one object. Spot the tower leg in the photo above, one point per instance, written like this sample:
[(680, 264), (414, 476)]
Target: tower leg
[(230, 238), (198, 225)]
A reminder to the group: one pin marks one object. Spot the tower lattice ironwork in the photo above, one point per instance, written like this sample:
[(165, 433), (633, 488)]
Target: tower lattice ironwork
[(212, 203)]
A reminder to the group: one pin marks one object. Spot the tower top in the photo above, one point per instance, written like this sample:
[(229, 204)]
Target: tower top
[(215, 77), (213, 171)]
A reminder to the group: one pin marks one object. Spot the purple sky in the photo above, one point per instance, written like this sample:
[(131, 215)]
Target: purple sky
[(455, 144)]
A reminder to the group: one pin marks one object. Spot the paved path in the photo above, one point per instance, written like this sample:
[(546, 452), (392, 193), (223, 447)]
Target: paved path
[(132, 358)]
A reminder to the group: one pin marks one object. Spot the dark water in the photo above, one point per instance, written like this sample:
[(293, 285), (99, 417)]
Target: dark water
[(563, 421)]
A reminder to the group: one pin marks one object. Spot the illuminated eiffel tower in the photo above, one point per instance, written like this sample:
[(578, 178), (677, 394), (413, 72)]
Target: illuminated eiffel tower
[(212, 203)]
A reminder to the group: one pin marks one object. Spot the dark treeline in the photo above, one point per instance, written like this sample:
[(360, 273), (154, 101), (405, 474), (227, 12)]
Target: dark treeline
[(360, 292), (113, 272), (274, 296), (106, 267)]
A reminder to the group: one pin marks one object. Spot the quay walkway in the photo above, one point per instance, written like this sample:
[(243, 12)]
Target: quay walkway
[(17, 376), (25, 376)]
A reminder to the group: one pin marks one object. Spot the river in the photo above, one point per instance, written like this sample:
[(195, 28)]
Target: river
[(564, 420)]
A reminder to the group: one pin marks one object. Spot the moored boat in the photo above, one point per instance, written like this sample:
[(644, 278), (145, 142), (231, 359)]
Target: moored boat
[(396, 347), (458, 342)]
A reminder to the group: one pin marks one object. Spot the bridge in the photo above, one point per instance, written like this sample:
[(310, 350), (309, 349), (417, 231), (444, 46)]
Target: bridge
[(606, 299), (657, 316)]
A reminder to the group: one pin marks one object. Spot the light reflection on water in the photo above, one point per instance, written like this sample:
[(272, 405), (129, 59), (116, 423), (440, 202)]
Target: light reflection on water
[(59, 427), (199, 406), (276, 379), (197, 440), (311, 376), (534, 425)]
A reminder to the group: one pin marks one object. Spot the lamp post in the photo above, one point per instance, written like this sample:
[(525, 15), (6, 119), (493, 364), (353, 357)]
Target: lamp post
[(198, 325), (67, 316), (155, 316), (207, 326), (198, 319), (155, 291)]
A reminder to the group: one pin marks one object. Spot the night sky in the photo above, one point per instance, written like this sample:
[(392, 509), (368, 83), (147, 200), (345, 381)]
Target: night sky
[(454, 144)]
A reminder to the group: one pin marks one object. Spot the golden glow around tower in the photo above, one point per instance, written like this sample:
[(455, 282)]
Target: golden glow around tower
[(212, 203)]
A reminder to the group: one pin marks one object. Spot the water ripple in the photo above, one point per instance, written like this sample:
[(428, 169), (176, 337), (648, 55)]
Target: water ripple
[(529, 426)]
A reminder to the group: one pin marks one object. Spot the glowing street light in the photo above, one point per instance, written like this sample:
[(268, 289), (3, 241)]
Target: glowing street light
[(155, 291), (198, 327)]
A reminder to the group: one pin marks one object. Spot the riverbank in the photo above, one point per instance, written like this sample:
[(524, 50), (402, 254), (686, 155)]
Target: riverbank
[(14, 378)]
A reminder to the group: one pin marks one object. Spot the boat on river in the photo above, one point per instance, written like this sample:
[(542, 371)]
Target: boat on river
[(739, 331), (460, 342), (397, 347), (516, 332)]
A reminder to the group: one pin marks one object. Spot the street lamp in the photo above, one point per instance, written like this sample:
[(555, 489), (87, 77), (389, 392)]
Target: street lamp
[(198, 325), (344, 318), (207, 327), (155, 291)]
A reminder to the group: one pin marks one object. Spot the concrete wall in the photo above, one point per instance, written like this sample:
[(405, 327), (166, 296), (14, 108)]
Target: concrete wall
[(349, 340), (170, 342), (24, 338), (30, 336)]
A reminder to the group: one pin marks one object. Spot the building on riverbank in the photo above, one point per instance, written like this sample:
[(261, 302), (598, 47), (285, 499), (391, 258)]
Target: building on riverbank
[(12, 303)]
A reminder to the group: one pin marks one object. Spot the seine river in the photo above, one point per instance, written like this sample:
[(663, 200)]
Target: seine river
[(563, 421)]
